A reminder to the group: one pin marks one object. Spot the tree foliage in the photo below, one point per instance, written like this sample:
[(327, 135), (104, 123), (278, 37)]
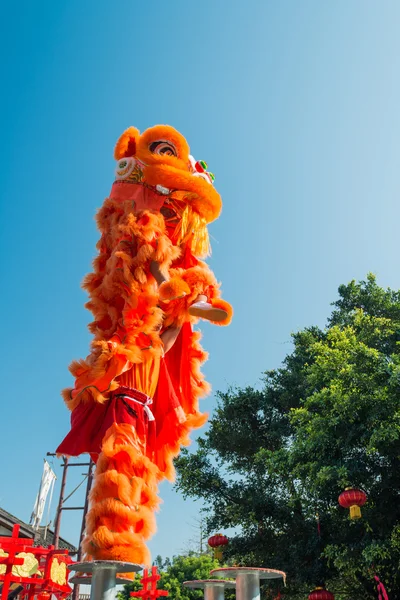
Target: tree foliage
[(274, 461)]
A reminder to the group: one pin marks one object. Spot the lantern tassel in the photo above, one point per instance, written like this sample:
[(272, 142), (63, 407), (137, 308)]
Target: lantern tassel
[(355, 512), (218, 553)]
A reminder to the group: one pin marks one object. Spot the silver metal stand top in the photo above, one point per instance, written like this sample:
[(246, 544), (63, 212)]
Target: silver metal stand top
[(103, 578), (201, 584), (248, 579), (94, 565), (262, 573), (82, 579)]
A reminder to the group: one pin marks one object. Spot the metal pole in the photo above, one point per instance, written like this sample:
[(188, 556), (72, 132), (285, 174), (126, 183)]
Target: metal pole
[(213, 592), (104, 583), (75, 592), (85, 508), (60, 503), (248, 586), (214, 589)]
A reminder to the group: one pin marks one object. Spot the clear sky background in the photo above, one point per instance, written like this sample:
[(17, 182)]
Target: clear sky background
[(295, 107)]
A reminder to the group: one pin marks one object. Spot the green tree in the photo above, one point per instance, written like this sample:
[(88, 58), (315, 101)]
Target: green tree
[(174, 573), (273, 459)]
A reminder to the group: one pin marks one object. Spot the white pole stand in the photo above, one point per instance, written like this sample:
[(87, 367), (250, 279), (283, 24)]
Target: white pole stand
[(248, 579), (213, 588), (102, 576)]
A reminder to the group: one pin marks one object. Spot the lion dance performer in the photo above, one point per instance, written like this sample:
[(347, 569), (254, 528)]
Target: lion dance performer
[(135, 398)]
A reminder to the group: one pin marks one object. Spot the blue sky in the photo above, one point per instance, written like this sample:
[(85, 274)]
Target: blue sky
[(295, 107)]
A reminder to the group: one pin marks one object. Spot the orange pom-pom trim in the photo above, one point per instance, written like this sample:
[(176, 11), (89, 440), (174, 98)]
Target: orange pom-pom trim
[(173, 289), (219, 303)]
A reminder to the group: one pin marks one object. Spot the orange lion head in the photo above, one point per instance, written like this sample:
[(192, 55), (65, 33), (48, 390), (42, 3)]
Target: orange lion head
[(160, 157)]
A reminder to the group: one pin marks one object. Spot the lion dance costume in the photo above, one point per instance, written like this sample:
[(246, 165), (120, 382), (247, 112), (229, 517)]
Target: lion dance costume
[(133, 405)]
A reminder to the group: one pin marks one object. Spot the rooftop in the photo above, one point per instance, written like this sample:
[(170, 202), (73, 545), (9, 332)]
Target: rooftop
[(41, 536)]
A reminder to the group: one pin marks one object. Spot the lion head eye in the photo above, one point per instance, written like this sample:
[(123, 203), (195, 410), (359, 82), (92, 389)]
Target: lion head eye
[(163, 148)]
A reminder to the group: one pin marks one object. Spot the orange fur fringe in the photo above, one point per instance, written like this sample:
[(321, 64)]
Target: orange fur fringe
[(123, 500)]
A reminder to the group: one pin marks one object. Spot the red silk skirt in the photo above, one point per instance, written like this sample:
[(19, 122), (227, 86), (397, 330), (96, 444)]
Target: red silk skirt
[(91, 420)]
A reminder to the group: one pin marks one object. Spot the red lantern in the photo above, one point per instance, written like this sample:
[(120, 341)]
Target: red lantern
[(353, 499), (217, 542), (321, 594)]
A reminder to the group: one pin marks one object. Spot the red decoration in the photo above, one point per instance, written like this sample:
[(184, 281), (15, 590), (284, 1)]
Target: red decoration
[(217, 542), (380, 588), (321, 594), (47, 576), (353, 499), (149, 583), (201, 166)]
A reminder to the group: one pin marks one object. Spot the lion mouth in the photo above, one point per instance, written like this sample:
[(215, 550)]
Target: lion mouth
[(168, 213)]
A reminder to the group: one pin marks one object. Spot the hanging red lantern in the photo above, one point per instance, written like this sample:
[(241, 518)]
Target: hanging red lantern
[(217, 542), (321, 593), (353, 499)]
